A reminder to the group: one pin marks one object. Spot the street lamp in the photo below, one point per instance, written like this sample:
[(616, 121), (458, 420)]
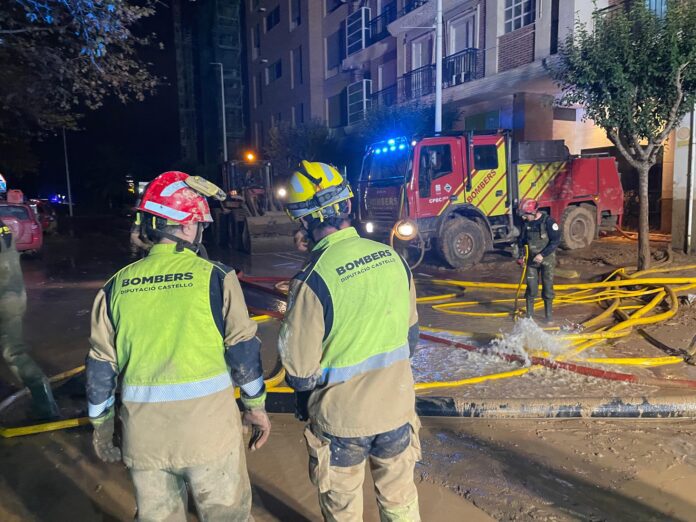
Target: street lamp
[(224, 121)]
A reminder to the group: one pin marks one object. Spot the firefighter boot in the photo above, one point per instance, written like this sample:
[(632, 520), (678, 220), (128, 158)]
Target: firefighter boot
[(530, 307), (548, 310), (44, 406)]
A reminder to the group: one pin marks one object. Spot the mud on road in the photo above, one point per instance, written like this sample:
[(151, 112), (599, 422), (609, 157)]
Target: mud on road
[(472, 469)]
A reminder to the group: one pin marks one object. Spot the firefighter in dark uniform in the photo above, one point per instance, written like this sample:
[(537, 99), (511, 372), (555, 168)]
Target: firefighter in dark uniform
[(13, 304), (542, 235)]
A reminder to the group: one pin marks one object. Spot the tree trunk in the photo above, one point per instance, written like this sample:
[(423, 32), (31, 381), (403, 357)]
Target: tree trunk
[(643, 225)]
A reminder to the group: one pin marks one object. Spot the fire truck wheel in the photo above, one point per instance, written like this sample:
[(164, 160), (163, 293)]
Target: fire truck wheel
[(577, 228), (462, 242)]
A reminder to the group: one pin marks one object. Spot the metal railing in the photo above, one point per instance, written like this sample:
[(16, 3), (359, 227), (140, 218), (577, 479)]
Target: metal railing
[(417, 83), (386, 97), (378, 25), (411, 5), (462, 67)]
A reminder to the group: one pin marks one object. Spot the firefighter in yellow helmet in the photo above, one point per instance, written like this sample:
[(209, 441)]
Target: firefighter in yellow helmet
[(349, 331)]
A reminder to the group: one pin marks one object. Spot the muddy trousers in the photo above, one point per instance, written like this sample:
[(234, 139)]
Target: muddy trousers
[(546, 270), (220, 490), (14, 352), (337, 469)]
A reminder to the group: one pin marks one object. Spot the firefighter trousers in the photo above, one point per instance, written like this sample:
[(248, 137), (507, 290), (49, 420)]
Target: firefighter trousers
[(546, 270), (14, 351), (220, 489), (337, 469)]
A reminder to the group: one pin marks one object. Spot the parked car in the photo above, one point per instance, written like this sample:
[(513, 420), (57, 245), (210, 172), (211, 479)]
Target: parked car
[(25, 226), (46, 214)]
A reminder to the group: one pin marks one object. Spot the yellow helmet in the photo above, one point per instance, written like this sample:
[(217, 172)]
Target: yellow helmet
[(316, 189)]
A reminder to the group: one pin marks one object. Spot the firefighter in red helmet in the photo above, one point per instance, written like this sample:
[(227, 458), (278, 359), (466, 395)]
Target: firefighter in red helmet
[(173, 331), (541, 234)]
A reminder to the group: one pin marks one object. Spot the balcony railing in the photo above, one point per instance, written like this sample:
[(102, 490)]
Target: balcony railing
[(378, 25), (462, 67), (386, 97), (417, 83), (411, 5)]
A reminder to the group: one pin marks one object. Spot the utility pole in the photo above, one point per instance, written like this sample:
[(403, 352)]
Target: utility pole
[(67, 174), (438, 68), (222, 101)]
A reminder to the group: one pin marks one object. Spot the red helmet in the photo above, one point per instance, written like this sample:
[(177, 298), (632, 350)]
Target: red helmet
[(169, 196), (528, 206)]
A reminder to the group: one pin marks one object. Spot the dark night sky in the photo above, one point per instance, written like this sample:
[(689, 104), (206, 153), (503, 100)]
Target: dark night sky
[(141, 138)]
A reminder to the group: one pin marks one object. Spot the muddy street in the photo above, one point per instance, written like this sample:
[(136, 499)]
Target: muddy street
[(472, 469)]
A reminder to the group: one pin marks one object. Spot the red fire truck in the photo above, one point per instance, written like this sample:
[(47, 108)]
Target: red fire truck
[(458, 192)]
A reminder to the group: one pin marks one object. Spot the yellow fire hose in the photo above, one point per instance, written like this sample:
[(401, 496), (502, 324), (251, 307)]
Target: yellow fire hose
[(617, 287)]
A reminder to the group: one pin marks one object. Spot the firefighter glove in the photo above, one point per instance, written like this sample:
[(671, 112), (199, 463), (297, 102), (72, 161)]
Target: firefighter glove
[(103, 441), (257, 419), (520, 261), (538, 259)]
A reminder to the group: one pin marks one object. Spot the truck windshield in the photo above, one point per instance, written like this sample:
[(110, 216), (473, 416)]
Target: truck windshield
[(384, 166)]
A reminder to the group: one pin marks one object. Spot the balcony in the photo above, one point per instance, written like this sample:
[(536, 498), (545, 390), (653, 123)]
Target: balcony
[(378, 25), (386, 97), (462, 67), (411, 5)]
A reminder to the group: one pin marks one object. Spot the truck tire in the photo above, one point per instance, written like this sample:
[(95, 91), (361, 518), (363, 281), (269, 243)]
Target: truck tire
[(462, 242), (578, 228)]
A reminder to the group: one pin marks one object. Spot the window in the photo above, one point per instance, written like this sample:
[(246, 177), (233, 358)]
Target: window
[(435, 162), (298, 114), (462, 33), (332, 5), (274, 72), (519, 13), (255, 41), (258, 90), (296, 57), (659, 6), (273, 18), (421, 52), (336, 48), (337, 108), (260, 137), (485, 157), (295, 13), (13, 211)]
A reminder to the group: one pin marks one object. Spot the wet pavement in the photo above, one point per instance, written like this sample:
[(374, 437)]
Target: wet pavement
[(512, 470)]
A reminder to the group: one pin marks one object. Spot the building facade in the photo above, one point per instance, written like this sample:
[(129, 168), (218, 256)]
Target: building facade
[(351, 56), (208, 42)]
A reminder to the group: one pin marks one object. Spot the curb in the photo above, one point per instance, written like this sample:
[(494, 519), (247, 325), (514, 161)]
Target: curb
[(615, 407)]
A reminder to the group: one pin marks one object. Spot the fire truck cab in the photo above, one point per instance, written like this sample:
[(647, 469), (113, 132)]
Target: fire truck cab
[(459, 192)]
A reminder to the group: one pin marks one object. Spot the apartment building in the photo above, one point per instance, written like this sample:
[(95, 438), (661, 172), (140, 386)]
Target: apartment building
[(295, 50), (334, 60), (208, 42)]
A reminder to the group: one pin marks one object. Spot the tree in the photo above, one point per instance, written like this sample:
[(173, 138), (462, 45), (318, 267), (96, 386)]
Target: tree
[(59, 57), (635, 75), (288, 145)]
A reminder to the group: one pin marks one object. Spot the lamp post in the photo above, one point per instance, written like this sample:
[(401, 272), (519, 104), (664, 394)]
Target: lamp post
[(438, 68), (67, 173), (222, 100)]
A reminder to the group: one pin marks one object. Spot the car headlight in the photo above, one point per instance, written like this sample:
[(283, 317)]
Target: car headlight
[(282, 192), (405, 230), (369, 227)]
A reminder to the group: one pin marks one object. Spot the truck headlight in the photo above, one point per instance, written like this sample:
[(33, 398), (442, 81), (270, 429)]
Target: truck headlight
[(369, 227), (282, 192), (405, 230)]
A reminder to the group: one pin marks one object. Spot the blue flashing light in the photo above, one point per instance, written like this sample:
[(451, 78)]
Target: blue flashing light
[(391, 141), (402, 146), (384, 149), (377, 151), (392, 148)]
